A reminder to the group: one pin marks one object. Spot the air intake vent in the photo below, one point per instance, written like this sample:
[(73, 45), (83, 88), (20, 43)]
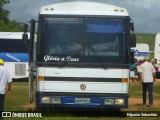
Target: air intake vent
[(20, 69)]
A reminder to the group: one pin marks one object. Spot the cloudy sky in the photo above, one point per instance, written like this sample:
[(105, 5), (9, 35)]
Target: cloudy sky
[(145, 13)]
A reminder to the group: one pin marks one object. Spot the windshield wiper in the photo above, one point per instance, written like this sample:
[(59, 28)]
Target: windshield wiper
[(93, 50), (74, 53), (98, 58)]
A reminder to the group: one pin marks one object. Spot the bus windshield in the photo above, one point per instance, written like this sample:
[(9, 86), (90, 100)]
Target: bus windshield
[(84, 40)]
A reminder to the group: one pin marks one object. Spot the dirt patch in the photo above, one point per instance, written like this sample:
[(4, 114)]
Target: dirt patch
[(135, 104), (29, 106), (136, 101), (157, 80)]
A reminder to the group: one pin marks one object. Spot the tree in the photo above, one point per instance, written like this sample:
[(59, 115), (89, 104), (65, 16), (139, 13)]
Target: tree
[(4, 13), (7, 25)]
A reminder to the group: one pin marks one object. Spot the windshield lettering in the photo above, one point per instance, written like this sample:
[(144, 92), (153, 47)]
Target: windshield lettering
[(69, 58), (51, 58), (58, 59)]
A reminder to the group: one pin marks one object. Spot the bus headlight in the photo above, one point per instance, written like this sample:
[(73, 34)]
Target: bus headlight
[(46, 100), (56, 100), (119, 101), (108, 101)]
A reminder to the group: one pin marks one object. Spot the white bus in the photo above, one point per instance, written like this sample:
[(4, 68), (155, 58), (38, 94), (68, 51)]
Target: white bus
[(14, 54), (82, 56), (141, 51), (157, 49)]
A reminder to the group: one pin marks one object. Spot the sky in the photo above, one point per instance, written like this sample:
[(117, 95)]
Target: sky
[(145, 13)]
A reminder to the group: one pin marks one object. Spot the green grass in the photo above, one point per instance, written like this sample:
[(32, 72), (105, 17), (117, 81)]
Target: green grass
[(136, 91), (19, 97)]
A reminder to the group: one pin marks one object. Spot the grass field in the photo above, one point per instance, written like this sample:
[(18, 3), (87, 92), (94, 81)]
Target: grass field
[(18, 101)]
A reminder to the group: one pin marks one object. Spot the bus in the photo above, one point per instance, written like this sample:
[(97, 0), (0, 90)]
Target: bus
[(14, 54), (82, 55), (141, 51), (157, 49)]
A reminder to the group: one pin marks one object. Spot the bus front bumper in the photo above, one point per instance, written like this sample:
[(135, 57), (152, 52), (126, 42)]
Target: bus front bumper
[(81, 100)]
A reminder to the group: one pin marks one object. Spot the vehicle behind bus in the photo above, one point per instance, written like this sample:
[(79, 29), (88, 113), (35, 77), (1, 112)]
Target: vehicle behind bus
[(141, 51), (82, 55), (14, 51), (157, 50)]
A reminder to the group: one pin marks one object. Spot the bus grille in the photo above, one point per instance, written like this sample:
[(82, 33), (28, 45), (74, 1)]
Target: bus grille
[(20, 69)]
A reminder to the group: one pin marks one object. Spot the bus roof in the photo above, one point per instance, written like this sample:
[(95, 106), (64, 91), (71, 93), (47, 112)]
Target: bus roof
[(83, 8), (11, 35), (157, 38), (158, 34)]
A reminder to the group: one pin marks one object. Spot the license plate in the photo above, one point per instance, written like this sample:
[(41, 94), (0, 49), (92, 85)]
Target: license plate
[(82, 100)]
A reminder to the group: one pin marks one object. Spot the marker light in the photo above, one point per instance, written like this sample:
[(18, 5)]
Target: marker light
[(41, 78), (125, 80), (46, 9), (121, 10), (116, 10)]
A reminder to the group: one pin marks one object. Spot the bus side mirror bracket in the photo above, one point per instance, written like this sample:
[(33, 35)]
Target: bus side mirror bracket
[(25, 36), (132, 35), (131, 57), (133, 39), (131, 25)]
